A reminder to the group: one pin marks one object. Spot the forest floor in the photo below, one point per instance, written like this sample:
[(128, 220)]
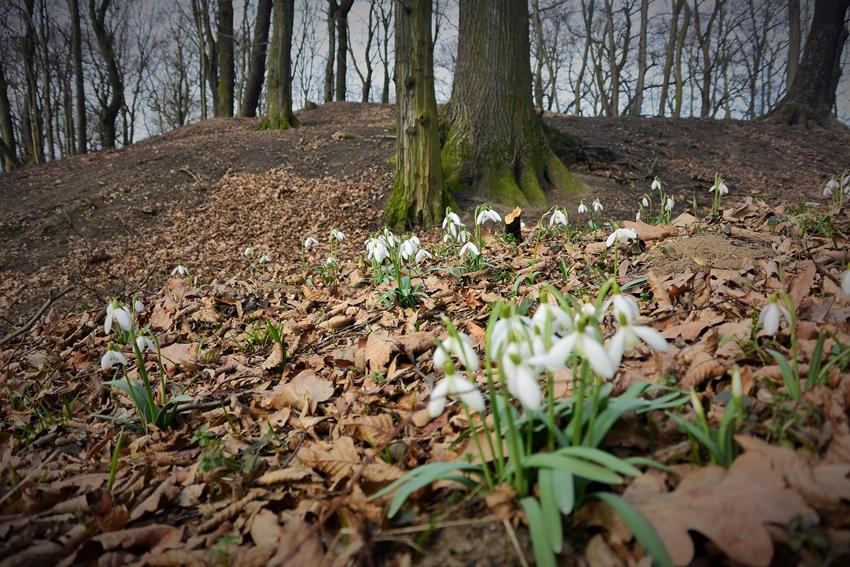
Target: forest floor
[(291, 446)]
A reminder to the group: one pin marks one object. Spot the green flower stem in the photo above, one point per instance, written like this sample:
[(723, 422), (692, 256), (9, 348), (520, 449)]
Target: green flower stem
[(594, 408), (792, 332), (514, 445), (550, 410), (488, 477), (578, 414)]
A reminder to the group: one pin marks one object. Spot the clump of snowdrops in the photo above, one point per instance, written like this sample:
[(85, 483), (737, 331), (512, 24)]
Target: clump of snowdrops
[(153, 403), (533, 438)]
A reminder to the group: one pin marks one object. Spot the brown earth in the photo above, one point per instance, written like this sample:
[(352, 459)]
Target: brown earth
[(118, 221)]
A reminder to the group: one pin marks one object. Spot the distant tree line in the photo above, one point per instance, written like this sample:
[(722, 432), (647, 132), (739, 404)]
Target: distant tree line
[(77, 75)]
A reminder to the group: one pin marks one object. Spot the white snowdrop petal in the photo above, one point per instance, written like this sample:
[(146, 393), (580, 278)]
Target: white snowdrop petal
[(651, 337), (598, 358)]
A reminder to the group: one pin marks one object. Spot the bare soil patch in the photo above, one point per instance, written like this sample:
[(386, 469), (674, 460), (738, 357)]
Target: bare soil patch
[(704, 251)]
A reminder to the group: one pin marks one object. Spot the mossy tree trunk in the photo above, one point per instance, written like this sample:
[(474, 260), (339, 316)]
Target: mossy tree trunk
[(496, 147), (419, 194), (280, 114), (811, 98), (226, 71), (257, 73)]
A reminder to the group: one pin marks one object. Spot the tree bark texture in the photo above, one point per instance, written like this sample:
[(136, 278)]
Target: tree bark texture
[(811, 98), (496, 147), (329, 64), (7, 132), (257, 72), (280, 114), (342, 46), (79, 84), (419, 195)]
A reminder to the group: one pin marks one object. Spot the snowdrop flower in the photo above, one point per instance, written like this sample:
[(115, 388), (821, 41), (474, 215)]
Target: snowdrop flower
[(180, 270), (459, 347), (422, 255), (337, 235), (582, 208), (668, 203), (644, 202), (111, 358), (409, 248), (831, 186), (845, 282), (769, 317), (455, 385), (119, 314), (619, 235), (656, 185), (451, 218), (487, 215), (637, 216), (470, 249), (391, 240), (551, 317), (597, 206), (629, 335), (145, 343), (583, 341), (138, 306), (521, 378), (624, 307), (249, 251), (310, 242), (506, 330), (264, 259), (558, 217), (722, 188), (376, 249), (330, 261)]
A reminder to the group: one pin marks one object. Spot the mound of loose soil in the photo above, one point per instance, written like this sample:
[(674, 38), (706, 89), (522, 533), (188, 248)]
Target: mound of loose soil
[(132, 213), (704, 251)]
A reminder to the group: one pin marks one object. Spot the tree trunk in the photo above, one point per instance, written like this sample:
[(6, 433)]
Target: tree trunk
[(793, 41), (496, 147), (538, 53), (31, 125), (109, 112), (384, 50), (587, 13), (224, 45), (280, 114), (79, 88), (637, 100), (329, 64), (257, 73), (342, 46), (811, 98), (7, 132), (668, 59), (680, 46), (419, 194), (47, 83)]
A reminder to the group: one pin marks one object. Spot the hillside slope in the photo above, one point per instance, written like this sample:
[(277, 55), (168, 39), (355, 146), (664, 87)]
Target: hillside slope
[(120, 220)]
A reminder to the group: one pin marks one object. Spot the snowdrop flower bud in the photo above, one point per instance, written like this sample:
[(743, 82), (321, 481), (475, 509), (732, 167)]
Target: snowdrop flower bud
[(180, 270), (144, 343), (721, 187), (769, 317), (831, 186), (330, 261), (597, 205), (409, 248), (337, 235), (668, 204), (310, 242), (111, 358), (656, 185), (249, 251), (644, 202), (637, 216), (470, 249), (138, 306), (619, 235), (456, 386), (845, 281), (264, 259), (451, 218), (558, 217), (487, 215), (118, 314), (459, 347), (582, 208), (737, 388), (422, 255)]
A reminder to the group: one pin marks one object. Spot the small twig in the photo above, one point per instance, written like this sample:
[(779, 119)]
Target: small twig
[(439, 526), (512, 536), (32, 320)]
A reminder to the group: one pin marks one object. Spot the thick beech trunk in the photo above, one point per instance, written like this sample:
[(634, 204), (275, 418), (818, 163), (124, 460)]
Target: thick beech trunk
[(342, 46), (224, 104), (329, 63), (280, 114), (257, 73), (811, 98), (7, 133), (496, 147), (419, 195)]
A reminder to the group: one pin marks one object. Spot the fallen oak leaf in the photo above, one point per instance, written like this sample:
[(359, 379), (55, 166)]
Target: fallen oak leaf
[(703, 366), (306, 385), (731, 507)]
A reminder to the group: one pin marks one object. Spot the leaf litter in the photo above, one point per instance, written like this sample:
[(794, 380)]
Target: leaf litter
[(273, 460)]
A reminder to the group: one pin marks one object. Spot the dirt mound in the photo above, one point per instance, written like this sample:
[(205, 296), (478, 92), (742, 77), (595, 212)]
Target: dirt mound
[(115, 213), (704, 251)]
